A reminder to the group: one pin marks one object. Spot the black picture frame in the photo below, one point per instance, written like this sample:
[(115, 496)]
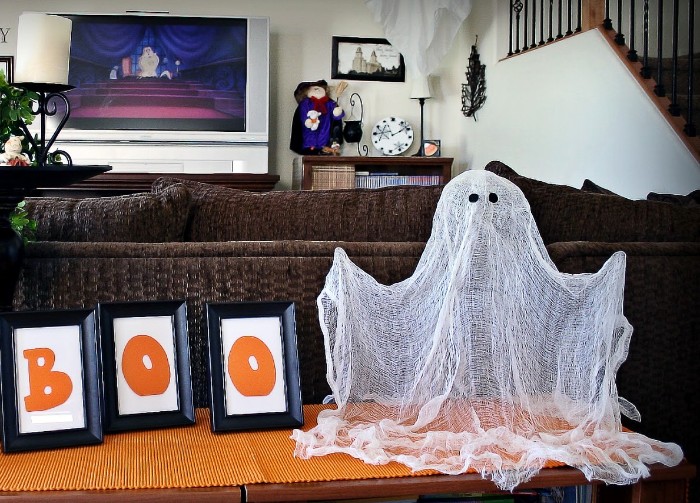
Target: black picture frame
[(130, 332), (348, 63), (6, 65), (431, 148), (62, 346), (276, 403)]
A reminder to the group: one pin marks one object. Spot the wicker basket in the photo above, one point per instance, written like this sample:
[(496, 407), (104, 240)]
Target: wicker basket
[(333, 177)]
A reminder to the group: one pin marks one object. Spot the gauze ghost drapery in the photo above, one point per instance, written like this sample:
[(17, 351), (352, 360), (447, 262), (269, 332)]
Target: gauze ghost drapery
[(486, 358), (422, 31)]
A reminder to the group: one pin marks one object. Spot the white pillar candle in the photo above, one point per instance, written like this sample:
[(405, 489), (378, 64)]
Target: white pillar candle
[(43, 48)]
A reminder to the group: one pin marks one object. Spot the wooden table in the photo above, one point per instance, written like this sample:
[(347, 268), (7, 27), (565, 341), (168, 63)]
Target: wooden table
[(664, 485)]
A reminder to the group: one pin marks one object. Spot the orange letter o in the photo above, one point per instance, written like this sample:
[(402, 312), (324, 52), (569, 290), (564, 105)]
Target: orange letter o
[(250, 381), (142, 380)]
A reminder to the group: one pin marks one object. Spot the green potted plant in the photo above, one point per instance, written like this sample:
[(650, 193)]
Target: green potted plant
[(16, 106)]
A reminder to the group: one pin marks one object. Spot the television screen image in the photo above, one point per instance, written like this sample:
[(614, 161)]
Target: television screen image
[(163, 73)]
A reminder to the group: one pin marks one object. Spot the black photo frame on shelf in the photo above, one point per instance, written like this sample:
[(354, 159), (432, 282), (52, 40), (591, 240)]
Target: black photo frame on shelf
[(253, 365), (6, 66), (431, 148), (375, 59), (146, 365), (50, 380)]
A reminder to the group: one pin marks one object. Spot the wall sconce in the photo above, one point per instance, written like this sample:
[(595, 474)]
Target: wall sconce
[(473, 96), (421, 92), (43, 54)]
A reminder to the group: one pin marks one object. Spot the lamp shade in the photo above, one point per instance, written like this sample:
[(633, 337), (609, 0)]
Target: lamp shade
[(43, 48), (421, 88)]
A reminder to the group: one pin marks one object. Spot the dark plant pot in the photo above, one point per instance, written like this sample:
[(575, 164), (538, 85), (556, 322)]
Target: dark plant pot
[(353, 131)]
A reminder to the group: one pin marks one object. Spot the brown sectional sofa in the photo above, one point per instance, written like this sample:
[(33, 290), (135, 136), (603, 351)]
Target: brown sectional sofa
[(187, 240)]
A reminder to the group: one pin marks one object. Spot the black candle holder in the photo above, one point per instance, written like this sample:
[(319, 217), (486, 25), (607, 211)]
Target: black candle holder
[(50, 95)]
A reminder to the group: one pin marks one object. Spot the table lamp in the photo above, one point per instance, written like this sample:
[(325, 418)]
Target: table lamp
[(421, 92)]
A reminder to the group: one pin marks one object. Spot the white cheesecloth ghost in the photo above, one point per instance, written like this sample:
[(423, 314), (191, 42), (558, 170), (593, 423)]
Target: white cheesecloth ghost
[(487, 358)]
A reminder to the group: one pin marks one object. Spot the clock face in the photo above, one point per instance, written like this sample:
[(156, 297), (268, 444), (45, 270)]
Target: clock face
[(392, 136)]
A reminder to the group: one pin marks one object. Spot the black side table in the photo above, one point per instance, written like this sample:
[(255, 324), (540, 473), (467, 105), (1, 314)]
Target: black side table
[(16, 183)]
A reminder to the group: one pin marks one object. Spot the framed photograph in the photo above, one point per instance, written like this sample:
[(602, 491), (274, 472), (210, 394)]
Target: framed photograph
[(146, 365), (431, 148), (253, 366), (6, 63), (366, 59), (50, 380)]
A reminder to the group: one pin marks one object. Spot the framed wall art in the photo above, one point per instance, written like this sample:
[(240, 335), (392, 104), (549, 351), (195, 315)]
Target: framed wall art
[(6, 64), (50, 380), (366, 59), (146, 365), (253, 366)]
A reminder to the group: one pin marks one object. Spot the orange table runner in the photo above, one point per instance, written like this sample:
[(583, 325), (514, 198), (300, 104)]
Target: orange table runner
[(185, 457)]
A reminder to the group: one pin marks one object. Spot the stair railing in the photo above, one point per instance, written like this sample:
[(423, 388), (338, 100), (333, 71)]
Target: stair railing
[(531, 17), (627, 17)]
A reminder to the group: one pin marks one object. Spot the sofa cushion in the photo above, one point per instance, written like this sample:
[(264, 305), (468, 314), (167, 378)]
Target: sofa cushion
[(387, 214), (692, 199), (590, 186), (564, 213), (143, 217)]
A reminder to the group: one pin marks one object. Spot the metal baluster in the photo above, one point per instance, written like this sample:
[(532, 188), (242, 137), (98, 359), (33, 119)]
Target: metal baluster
[(517, 7), (525, 26), (619, 37), (568, 15), (541, 22), (559, 33), (689, 128), (551, 20), (646, 71), (578, 17), (607, 22), (510, 32), (674, 109), (659, 89), (632, 53), (534, 20)]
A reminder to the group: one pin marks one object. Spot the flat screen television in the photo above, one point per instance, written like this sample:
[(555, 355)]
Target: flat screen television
[(162, 78)]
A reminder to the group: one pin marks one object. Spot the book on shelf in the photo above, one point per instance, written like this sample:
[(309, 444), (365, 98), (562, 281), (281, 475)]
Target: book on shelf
[(376, 180)]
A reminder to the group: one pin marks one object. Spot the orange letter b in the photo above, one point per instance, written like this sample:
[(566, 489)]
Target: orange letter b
[(47, 388)]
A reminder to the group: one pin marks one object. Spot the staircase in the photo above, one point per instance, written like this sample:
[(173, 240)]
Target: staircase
[(629, 27)]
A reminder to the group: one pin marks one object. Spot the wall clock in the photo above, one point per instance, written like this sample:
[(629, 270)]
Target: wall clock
[(392, 135)]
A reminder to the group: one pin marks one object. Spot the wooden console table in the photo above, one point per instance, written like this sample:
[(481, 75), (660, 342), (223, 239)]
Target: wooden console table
[(664, 485), (193, 464), (113, 184)]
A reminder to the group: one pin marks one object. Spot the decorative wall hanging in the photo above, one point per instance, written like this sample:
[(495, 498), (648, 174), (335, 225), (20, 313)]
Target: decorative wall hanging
[(473, 96)]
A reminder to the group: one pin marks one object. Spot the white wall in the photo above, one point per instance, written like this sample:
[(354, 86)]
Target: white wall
[(561, 113)]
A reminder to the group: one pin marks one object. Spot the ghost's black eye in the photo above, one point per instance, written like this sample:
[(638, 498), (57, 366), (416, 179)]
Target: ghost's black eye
[(473, 198), (493, 197)]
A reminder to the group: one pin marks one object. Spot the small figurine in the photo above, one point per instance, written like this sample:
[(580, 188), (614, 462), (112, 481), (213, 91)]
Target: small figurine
[(148, 63), (317, 124), (13, 154)]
